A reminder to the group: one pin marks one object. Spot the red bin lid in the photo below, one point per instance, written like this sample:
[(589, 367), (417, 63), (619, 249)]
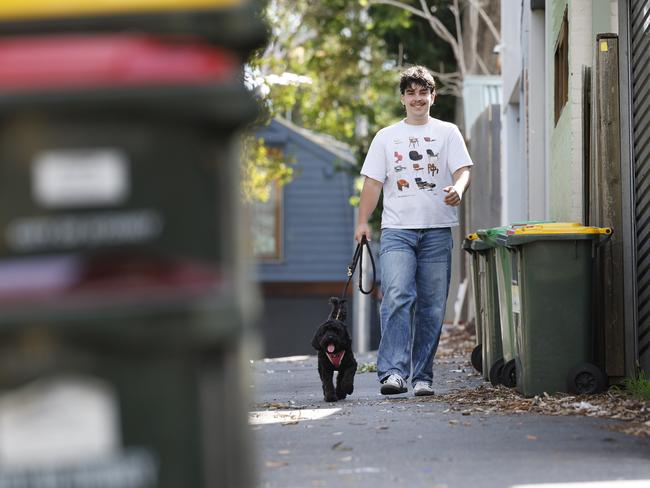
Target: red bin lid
[(93, 61)]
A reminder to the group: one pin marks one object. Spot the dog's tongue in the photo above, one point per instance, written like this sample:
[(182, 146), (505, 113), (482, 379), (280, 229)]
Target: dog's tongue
[(330, 348)]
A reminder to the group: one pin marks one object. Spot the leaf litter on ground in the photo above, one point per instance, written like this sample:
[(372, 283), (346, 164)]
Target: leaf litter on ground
[(618, 404)]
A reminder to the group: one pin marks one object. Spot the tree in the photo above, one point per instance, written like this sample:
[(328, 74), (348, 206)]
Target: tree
[(325, 69), (472, 38), (332, 66)]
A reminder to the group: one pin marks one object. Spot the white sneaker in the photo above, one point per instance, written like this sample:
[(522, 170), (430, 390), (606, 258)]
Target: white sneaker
[(393, 385), (422, 388)]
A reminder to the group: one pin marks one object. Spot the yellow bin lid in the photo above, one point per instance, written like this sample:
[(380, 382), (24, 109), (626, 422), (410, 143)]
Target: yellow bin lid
[(558, 228), (32, 9)]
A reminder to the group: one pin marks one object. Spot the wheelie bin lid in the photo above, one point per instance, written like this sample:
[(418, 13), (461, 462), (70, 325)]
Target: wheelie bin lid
[(473, 243), (554, 231), (490, 235), (109, 60), (123, 72), (19, 9), (234, 24)]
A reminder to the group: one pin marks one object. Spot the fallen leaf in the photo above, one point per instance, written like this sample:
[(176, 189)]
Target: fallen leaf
[(340, 447), (531, 437), (276, 464)]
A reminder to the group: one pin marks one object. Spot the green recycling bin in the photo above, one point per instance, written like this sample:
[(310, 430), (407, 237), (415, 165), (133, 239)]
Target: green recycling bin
[(488, 310), (551, 290), (122, 291), (507, 374), (477, 355)]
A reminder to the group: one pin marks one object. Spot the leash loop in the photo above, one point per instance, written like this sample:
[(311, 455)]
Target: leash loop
[(357, 259)]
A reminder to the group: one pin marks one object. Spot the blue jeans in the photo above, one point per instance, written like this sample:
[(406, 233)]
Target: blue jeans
[(415, 274)]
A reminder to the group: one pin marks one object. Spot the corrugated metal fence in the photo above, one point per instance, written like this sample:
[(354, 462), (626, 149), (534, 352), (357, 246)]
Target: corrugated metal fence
[(639, 22)]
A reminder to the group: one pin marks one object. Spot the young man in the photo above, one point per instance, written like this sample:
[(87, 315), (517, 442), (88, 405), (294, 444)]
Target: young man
[(423, 167)]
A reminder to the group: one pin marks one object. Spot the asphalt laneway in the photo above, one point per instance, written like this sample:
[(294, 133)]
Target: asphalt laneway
[(373, 441)]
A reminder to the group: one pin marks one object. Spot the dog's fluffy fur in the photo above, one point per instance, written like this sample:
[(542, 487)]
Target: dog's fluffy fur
[(334, 346)]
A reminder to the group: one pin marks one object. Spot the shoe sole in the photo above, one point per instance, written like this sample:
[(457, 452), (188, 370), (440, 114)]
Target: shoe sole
[(424, 393), (392, 390)]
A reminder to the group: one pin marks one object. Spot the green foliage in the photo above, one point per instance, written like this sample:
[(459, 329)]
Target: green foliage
[(639, 386), (262, 166), (330, 44), (333, 66)]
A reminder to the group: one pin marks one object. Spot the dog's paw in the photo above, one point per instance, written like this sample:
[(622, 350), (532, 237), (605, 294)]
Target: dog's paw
[(332, 397), (344, 390)]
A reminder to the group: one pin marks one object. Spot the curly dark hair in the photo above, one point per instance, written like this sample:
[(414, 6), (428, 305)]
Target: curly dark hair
[(417, 75)]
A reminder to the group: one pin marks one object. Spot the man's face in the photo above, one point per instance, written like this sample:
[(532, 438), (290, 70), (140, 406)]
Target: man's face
[(417, 99)]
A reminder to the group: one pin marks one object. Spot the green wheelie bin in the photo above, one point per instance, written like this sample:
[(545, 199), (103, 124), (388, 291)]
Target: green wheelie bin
[(551, 291), (507, 373), (505, 369), (477, 356), (488, 310)]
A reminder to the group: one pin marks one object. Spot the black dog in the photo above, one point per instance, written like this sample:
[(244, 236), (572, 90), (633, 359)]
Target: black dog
[(334, 347)]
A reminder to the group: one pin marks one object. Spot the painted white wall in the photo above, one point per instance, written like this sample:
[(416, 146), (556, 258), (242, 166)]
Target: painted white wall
[(564, 142), (535, 109), (513, 165)]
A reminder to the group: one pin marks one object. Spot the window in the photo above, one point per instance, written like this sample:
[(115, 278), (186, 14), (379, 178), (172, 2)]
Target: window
[(561, 81), (266, 220)]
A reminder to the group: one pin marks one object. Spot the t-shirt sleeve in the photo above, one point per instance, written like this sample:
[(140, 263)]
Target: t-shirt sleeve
[(457, 155), (374, 166)]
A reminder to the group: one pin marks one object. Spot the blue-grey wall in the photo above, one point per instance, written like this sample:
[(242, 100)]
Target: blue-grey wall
[(318, 226)]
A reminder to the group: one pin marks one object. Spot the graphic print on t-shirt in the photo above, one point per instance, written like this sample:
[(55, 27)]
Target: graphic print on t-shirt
[(414, 177)]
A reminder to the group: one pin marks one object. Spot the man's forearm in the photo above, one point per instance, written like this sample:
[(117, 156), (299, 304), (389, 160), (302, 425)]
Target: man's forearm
[(369, 199), (462, 179)]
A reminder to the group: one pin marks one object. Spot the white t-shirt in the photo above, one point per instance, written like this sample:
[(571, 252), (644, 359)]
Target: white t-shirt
[(415, 162)]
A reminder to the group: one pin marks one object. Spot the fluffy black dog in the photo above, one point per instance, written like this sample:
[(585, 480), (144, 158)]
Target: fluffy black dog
[(334, 347)]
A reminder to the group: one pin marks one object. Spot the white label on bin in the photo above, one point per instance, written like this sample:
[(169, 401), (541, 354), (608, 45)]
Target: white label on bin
[(80, 178), (516, 306), (58, 421)]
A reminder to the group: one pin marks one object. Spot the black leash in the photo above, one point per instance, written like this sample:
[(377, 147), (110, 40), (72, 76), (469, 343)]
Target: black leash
[(357, 259)]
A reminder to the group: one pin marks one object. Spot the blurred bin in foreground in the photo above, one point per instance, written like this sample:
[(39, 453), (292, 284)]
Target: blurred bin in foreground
[(552, 268), (234, 24), (121, 288)]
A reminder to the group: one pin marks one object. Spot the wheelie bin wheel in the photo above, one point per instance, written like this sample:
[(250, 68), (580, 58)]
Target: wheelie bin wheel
[(509, 374), (586, 379), (495, 372), (477, 358)]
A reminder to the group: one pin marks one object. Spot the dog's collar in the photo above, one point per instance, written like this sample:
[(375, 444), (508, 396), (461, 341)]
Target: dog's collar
[(336, 358)]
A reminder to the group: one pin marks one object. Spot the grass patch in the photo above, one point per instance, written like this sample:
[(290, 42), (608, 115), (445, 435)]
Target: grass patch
[(638, 387)]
